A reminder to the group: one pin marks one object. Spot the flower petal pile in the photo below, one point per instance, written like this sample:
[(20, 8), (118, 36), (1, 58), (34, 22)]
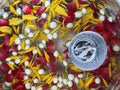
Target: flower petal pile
[(34, 39)]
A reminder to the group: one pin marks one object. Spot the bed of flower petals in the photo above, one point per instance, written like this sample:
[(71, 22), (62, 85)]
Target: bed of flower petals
[(34, 39)]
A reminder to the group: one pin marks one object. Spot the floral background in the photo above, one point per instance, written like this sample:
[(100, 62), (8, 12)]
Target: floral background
[(35, 36)]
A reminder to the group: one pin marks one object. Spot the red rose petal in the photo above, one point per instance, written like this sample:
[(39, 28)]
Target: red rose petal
[(7, 40), (65, 54), (45, 87), (41, 22), (115, 40), (52, 67), (72, 6), (13, 48), (34, 1), (19, 75), (41, 60), (4, 68), (111, 53), (103, 72), (40, 10), (82, 1), (26, 8), (3, 54), (4, 22), (18, 86), (50, 46), (100, 27), (9, 77), (74, 87)]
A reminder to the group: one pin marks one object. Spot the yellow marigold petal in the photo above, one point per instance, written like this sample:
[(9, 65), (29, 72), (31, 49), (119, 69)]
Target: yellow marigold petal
[(32, 25), (13, 10), (24, 59), (11, 66), (81, 83), (6, 29), (15, 2), (12, 39), (35, 35), (60, 10), (49, 80), (15, 57), (30, 49), (46, 56), (42, 36), (105, 83), (74, 68), (37, 74), (89, 81), (39, 52), (23, 44), (29, 17), (110, 69), (15, 21)]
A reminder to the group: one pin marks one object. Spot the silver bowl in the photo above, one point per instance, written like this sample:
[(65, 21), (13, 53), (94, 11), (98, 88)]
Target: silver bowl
[(88, 50)]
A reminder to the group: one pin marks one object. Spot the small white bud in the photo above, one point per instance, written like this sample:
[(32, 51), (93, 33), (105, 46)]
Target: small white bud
[(102, 17), (68, 44), (69, 25), (65, 81), (17, 41), (60, 79), (41, 71), (35, 80), (17, 61), (70, 83), (8, 84), (14, 53), (55, 80), (0, 62), (59, 85), (33, 88), (70, 76), (43, 42), (11, 62), (78, 14), (53, 25), (55, 35), (110, 19), (116, 48), (5, 15), (28, 71), (27, 47), (19, 47), (30, 35), (47, 3), (26, 63), (27, 29), (8, 59), (34, 51), (40, 88), (28, 85), (54, 87), (26, 77), (46, 31), (49, 36), (97, 80), (84, 10), (65, 63), (41, 45), (92, 89), (27, 41), (1, 11), (10, 71), (80, 75), (43, 15), (102, 11), (56, 54), (19, 11), (21, 36), (76, 80)]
